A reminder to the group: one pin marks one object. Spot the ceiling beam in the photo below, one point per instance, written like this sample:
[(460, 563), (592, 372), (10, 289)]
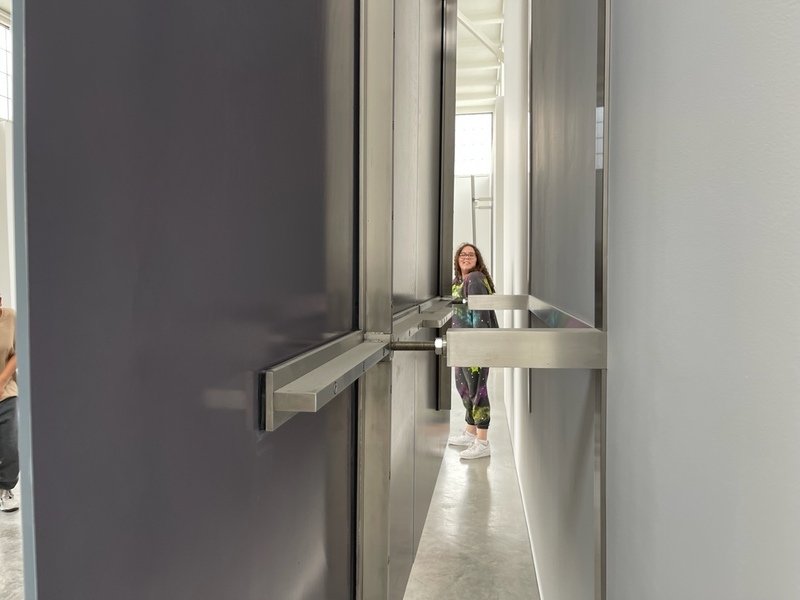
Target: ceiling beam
[(481, 37)]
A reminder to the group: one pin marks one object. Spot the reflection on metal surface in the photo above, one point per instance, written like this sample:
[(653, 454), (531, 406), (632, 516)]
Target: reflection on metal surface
[(527, 348), (315, 389), (448, 150), (549, 314), (498, 302), (554, 317)]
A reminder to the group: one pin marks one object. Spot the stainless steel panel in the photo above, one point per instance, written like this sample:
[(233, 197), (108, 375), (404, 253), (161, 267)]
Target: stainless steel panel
[(432, 428), (416, 423), (408, 123), (404, 431), (527, 348), (176, 239), (377, 167), (431, 169), (374, 417), (374, 460), (447, 179), (448, 148)]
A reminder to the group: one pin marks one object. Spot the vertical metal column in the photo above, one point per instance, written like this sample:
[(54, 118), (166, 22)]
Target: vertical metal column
[(601, 303), (23, 309), (374, 410), (448, 174)]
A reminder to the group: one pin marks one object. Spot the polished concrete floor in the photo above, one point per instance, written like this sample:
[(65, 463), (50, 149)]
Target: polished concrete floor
[(475, 542), (11, 557)]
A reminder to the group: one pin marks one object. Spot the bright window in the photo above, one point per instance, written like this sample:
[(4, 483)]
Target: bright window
[(473, 144)]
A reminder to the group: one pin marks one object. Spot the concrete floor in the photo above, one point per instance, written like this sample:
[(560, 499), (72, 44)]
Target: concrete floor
[(11, 557), (475, 542)]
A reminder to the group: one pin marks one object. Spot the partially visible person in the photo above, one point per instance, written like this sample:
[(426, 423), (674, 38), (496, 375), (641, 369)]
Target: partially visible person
[(9, 453), (471, 278)]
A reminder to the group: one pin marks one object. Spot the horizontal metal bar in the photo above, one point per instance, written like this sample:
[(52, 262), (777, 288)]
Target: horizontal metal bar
[(527, 348), (314, 390), (280, 375), (498, 302), (436, 320)]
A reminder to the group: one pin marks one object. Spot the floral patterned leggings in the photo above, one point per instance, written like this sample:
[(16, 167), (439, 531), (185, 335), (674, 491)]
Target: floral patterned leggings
[(471, 385)]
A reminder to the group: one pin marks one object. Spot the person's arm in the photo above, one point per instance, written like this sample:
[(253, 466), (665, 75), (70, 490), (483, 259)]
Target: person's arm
[(8, 372)]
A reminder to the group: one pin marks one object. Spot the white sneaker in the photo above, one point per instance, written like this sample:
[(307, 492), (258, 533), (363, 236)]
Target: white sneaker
[(478, 449), (8, 501), (465, 438)]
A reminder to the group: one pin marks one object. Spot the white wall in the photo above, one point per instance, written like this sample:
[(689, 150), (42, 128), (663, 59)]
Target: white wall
[(514, 227), (703, 481)]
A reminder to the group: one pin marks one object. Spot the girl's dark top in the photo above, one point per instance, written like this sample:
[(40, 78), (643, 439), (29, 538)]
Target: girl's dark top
[(474, 284)]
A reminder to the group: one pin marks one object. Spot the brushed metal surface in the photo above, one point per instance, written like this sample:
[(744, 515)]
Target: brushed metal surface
[(447, 180), (374, 415), (527, 348), (432, 428), (418, 209), (281, 375), (176, 231), (448, 147), (404, 378), (407, 166), (316, 388), (499, 302)]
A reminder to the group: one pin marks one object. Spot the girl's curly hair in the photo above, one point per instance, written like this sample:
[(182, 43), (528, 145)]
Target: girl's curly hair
[(479, 265)]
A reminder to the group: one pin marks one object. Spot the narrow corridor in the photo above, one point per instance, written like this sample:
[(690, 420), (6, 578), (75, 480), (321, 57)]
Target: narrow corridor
[(475, 542)]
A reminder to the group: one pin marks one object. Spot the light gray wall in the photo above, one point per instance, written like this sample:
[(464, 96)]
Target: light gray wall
[(704, 289), (177, 238)]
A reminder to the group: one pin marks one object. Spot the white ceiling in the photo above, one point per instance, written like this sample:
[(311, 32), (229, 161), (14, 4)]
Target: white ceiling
[(5, 5), (478, 67)]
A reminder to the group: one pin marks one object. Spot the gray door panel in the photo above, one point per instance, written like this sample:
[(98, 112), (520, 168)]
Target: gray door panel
[(183, 220)]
